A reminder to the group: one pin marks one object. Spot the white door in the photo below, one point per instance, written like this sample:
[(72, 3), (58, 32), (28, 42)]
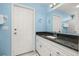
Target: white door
[(56, 23), (22, 30)]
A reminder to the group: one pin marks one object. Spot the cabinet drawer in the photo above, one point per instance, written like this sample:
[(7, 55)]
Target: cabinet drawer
[(65, 50), (57, 53), (54, 51)]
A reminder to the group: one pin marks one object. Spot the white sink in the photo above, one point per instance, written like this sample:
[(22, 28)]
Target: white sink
[(53, 37)]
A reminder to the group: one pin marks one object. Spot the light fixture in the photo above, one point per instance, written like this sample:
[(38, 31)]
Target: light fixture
[(77, 6), (53, 5)]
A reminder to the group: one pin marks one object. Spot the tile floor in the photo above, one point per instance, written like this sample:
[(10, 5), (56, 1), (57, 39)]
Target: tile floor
[(30, 54)]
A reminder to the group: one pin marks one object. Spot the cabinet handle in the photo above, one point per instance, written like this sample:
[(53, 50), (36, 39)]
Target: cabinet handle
[(40, 46), (72, 45), (50, 54), (58, 53)]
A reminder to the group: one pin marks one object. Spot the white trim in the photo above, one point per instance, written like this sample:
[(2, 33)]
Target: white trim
[(11, 27), (24, 6), (20, 5), (34, 30), (58, 6)]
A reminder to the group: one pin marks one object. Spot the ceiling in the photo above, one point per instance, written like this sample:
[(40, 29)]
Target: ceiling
[(69, 7)]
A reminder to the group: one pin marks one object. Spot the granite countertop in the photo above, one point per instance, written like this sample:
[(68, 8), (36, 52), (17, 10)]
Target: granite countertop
[(74, 34), (63, 33)]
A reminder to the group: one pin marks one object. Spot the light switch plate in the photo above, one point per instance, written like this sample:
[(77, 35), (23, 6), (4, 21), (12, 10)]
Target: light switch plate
[(5, 28), (3, 19)]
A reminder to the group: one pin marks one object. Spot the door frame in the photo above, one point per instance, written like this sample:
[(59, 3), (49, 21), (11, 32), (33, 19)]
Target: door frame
[(27, 7)]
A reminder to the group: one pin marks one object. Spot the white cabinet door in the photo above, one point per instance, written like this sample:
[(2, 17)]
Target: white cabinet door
[(42, 47), (44, 51)]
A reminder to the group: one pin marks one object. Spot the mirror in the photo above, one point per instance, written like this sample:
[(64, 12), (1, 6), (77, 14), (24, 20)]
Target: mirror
[(67, 18)]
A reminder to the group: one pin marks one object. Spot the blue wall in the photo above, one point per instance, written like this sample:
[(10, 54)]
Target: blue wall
[(5, 36), (40, 12)]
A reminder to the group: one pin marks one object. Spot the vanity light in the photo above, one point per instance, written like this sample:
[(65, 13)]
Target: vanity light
[(51, 5), (77, 6)]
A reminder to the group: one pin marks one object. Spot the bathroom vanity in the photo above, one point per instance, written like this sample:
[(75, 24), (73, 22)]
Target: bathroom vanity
[(56, 44)]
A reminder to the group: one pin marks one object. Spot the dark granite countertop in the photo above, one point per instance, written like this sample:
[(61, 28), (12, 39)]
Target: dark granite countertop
[(73, 34), (65, 42), (62, 33)]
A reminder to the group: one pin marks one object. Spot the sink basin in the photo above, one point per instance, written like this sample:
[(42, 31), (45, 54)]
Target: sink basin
[(52, 37)]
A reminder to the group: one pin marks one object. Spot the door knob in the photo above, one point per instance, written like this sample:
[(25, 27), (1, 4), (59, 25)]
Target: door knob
[(50, 54), (15, 33), (15, 29)]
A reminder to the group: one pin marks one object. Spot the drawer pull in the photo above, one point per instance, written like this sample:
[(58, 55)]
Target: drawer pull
[(50, 54), (40, 46), (58, 53)]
